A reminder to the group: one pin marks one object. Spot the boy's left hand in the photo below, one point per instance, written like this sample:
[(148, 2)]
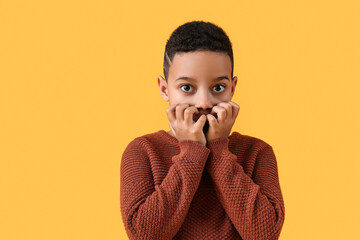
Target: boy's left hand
[(226, 115)]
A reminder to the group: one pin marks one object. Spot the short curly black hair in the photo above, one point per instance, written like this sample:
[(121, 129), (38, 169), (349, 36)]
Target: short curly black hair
[(197, 35)]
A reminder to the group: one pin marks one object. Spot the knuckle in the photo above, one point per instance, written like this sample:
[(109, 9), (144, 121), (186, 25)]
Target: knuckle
[(192, 108)]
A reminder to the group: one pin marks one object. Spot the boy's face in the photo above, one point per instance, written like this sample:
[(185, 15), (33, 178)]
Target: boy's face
[(200, 78)]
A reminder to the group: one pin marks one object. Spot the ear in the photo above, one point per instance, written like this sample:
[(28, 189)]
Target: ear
[(234, 82), (163, 88)]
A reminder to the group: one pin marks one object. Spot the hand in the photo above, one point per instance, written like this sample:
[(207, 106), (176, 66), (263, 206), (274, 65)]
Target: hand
[(182, 124), (226, 115)]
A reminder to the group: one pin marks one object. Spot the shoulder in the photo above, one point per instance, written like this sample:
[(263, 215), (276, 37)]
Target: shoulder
[(135, 161), (151, 141), (251, 151), (245, 143), (138, 150), (147, 149)]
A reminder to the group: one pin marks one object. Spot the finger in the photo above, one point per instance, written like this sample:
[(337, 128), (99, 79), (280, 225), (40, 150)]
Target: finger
[(236, 108), (220, 111), (180, 111), (170, 112), (188, 114), (212, 121), (200, 122), (228, 108)]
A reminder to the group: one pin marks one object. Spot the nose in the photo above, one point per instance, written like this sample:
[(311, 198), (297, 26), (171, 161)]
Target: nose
[(203, 100)]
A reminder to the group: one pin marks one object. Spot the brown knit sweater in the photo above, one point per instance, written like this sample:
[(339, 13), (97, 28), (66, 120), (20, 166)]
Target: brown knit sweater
[(183, 190)]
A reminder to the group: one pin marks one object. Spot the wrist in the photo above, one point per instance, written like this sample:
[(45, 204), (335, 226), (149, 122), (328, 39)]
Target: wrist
[(219, 146), (193, 151)]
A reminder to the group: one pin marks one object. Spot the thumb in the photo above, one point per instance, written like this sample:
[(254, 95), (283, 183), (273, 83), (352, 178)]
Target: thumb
[(172, 129)]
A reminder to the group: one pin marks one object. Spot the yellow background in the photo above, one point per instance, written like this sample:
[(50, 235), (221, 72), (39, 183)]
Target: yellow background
[(78, 83)]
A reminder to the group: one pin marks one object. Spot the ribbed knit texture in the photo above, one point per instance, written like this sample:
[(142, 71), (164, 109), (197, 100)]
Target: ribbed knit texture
[(183, 190)]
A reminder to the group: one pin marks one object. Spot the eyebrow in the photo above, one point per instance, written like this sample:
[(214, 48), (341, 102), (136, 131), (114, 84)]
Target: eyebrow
[(192, 79)]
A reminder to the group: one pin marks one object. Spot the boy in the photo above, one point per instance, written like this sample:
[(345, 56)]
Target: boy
[(195, 181)]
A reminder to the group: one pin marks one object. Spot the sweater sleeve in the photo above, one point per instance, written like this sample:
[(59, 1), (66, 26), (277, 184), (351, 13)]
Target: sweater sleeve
[(152, 211), (254, 204)]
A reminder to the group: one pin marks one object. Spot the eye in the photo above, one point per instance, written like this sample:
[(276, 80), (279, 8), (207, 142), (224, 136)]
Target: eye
[(186, 88), (219, 88)]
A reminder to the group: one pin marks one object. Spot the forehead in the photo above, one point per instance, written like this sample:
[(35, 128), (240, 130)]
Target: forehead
[(200, 64)]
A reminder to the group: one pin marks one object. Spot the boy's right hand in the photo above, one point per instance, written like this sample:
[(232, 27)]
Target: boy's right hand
[(182, 124)]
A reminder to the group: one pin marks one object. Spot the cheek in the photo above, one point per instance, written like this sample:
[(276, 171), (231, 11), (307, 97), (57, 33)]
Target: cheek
[(174, 98), (178, 97), (225, 97)]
